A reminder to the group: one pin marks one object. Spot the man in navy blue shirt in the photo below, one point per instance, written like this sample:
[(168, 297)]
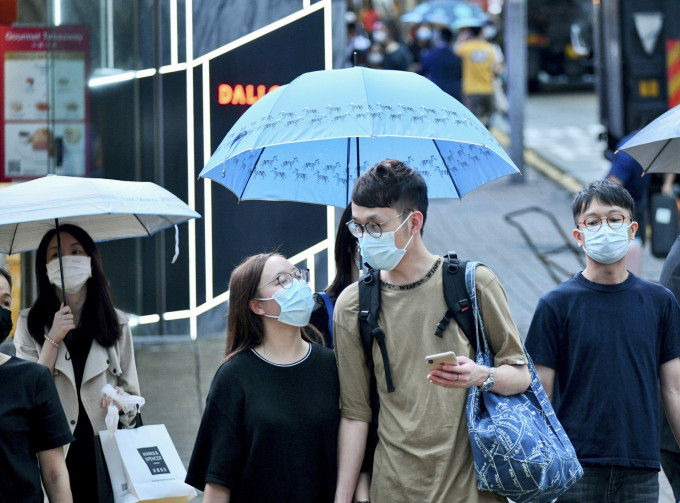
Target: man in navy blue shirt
[(605, 342), (442, 66)]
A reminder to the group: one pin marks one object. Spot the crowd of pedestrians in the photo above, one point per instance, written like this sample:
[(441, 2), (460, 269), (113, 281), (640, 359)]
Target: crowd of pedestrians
[(467, 64)]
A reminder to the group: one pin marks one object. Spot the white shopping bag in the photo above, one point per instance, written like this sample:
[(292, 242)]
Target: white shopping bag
[(144, 466)]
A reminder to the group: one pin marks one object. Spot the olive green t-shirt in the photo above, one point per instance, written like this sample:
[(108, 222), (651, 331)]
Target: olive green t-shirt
[(424, 452)]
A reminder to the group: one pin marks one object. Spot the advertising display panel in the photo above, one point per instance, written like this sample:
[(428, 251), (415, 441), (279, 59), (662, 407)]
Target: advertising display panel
[(44, 102)]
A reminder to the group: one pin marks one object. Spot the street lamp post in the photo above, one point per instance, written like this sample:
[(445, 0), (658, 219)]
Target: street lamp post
[(516, 57)]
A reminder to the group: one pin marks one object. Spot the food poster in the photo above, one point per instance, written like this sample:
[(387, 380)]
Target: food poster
[(44, 101)]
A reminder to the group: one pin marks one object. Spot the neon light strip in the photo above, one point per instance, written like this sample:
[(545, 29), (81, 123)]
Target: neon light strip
[(259, 33), (57, 12), (306, 255), (149, 72), (207, 186), (174, 49), (110, 79), (328, 33), (179, 67), (191, 169)]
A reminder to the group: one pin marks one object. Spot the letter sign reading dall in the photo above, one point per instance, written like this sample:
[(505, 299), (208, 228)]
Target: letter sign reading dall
[(153, 459), (239, 94)]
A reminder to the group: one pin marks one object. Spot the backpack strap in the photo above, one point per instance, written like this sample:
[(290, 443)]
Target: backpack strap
[(457, 299), (329, 310), (369, 309)]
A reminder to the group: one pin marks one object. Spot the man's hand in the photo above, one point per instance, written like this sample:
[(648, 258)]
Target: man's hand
[(464, 375)]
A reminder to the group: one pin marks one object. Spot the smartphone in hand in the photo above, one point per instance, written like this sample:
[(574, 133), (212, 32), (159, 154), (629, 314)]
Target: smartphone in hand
[(435, 362)]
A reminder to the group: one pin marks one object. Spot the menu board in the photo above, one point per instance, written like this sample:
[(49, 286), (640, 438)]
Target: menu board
[(44, 101)]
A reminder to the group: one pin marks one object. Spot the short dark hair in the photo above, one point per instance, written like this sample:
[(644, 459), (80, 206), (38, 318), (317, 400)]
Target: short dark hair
[(605, 191), (391, 184), (4, 272), (446, 35)]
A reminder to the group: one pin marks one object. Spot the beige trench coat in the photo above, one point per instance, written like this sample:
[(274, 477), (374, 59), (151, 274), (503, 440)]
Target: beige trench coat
[(114, 365)]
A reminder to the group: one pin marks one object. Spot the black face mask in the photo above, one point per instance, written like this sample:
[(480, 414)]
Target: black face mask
[(5, 323)]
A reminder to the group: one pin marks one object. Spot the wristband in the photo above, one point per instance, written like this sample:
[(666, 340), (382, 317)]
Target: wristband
[(51, 341)]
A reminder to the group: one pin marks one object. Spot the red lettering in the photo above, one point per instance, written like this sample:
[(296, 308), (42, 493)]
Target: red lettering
[(224, 94), (250, 96), (239, 95)]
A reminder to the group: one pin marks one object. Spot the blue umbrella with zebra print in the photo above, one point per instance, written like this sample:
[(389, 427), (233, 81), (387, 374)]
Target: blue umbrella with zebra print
[(309, 140)]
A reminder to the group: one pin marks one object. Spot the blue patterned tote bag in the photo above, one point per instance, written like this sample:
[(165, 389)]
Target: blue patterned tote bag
[(519, 447)]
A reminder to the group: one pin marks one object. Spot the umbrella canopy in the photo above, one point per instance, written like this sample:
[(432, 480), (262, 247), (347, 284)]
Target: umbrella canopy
[(309, 140), (105, 209), (657, 146), (453, 13)]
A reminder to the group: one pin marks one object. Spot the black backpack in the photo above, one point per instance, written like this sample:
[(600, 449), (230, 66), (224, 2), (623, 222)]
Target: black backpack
[(457, 301)]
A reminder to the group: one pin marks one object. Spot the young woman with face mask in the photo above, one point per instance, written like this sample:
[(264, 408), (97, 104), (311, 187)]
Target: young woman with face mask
[(84, 341), (269, 430)]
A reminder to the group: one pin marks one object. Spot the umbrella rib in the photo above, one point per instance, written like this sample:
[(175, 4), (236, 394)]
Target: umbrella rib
[(658, 154), (142, 224), (245, 185), (448, 171), (14, 236)]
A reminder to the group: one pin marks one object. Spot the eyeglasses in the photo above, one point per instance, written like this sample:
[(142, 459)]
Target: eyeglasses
[(374, 229), (593, 224), (285, 279)]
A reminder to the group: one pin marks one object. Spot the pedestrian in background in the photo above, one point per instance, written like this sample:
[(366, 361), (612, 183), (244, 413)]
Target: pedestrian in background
[(627, 172), (396, 56), (670, 451), (442, 66), (604, 343), (269, 430), (347, 268), (480, 67), (84, 341), (424, 452), (33, 427)]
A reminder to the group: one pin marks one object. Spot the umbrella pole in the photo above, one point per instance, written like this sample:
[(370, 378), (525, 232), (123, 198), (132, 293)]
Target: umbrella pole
[(357, 139), (61, 263)]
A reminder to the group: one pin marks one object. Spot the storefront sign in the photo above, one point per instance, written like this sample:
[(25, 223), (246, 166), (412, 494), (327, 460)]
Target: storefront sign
[(44, 103)]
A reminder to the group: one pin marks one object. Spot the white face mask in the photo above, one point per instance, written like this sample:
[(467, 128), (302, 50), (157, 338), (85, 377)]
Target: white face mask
[(382, 253), (77, 270), (607, 245)]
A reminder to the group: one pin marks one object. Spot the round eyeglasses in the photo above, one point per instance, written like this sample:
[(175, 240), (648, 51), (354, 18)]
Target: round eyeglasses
[(374, 229), (285, 279), (593, 224)]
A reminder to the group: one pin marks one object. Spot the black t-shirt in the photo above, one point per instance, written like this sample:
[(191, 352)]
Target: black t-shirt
[(269, 432), (31, 420)]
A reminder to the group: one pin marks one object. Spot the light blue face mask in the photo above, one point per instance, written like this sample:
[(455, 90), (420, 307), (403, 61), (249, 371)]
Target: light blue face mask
[(382, 253), (607, 245), (296, 304)]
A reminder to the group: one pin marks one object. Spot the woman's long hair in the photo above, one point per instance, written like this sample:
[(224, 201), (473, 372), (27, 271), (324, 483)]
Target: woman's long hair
[(245, 329), (98, 316), (345, 253)]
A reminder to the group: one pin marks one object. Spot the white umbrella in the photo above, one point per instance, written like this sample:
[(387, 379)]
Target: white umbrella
[(105, 209), (657, 146)]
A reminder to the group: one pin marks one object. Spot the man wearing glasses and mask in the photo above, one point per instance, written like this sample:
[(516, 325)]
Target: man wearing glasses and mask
[(423, 453), (604, 342)]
